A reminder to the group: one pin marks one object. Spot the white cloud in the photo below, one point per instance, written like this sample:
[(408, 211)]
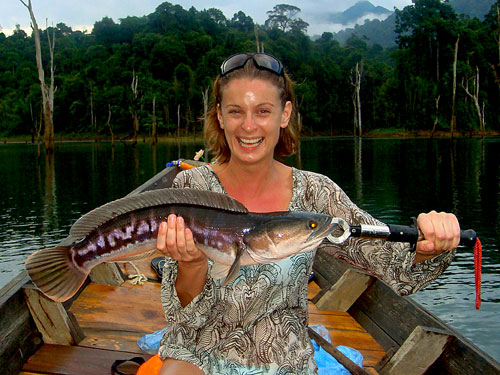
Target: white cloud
[(73, 12)]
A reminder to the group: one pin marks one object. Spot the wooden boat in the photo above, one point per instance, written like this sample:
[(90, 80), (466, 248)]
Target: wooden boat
[(103, 321)]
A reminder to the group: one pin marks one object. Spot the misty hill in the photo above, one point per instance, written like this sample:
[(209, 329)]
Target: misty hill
[(473, 8), (375, 31), (358, 11)]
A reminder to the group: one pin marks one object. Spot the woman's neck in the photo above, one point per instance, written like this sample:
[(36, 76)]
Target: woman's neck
[(261, 188)]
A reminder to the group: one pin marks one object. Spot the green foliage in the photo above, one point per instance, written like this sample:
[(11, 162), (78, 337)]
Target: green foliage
[(176, 53), (284, 17)]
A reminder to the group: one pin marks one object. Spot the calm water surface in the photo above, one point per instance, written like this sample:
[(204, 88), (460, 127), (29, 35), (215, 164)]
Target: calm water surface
[(392, 179)]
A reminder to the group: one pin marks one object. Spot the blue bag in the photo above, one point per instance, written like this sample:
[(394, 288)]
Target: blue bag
[(327, 365)]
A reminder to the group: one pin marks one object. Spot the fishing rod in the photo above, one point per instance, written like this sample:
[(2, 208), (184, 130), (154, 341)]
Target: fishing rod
[(411, 234), (391, 232)]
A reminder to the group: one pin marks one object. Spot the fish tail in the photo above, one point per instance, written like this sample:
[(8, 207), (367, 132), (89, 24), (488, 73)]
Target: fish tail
[(53, 272)]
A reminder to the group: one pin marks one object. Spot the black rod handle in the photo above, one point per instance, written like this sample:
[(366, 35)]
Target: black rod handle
[(404, 233), (411, 234)]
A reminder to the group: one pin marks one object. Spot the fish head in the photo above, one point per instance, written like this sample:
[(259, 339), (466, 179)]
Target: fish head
[(282, 234)]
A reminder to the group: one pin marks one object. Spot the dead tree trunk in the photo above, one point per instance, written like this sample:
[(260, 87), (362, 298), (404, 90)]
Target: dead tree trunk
[(356, 83), (178, 121), (204, 94), (37, 124), (256, 37), (154, 132), (109, 126), (47, 91), (498, 32), (93, 117), (135, 110), (474, 95), (453, 124), (436, 117)]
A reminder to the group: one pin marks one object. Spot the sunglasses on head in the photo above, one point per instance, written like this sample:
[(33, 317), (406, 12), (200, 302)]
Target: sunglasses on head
[(262, 61)]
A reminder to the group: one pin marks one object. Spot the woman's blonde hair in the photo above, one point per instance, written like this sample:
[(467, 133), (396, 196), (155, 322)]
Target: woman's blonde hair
[(215, 141)]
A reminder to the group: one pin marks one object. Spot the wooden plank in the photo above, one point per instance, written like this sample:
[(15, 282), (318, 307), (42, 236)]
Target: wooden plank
[(75, 360), (132, 308), (335, 320), (312, 290), (342, 295), (56, 325), (371, 357), (107, 273), (124, 341), (417, 353), (20, 339), (370, 370), (463, 358)]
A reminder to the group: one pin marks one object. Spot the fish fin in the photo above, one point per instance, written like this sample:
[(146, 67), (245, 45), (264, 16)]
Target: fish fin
[(233, 272), (53, 272), (154, 198), (235, 267), (219, 270)]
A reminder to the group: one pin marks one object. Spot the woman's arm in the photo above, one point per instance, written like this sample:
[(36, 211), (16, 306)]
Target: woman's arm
[(391, 262)]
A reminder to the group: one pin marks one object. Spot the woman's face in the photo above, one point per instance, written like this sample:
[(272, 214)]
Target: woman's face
[(251, 115)]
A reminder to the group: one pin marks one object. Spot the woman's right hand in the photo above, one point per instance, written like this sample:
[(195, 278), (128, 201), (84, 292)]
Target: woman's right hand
[(176, 241)]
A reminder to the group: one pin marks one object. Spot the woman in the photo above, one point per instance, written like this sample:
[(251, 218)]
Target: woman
[(257, 323)]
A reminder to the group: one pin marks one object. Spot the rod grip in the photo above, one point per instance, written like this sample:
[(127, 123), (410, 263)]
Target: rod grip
[(411, 234)]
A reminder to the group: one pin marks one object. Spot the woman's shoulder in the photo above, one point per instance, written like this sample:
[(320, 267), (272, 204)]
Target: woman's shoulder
[(313, 191), (197, 178), (308, 180)]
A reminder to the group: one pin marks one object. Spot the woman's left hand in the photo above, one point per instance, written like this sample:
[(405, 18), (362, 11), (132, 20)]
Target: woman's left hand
[(441, 233)]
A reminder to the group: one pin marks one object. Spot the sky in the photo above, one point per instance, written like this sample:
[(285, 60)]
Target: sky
[(81, 14)]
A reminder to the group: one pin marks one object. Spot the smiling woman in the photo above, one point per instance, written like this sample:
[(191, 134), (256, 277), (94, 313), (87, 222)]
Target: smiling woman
[(257, 321)]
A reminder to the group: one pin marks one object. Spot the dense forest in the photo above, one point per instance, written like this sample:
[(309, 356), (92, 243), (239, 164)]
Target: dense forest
[(157, 69)]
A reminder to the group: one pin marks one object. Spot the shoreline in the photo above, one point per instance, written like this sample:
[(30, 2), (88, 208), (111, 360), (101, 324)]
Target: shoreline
[(375, 134)]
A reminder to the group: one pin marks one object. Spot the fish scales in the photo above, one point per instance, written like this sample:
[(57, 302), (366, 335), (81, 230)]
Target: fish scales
[(120, 236)]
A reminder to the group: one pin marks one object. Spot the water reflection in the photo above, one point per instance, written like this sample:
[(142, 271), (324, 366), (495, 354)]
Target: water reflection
[(40, 198)]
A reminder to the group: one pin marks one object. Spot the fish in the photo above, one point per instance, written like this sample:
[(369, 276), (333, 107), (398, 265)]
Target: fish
[(127, 229)]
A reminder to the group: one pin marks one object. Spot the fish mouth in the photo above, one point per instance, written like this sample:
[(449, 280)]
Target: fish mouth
[(324, 230), (250, 143)]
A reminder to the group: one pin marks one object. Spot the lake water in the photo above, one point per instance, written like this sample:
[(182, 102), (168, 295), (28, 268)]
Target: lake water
[(393, 179)]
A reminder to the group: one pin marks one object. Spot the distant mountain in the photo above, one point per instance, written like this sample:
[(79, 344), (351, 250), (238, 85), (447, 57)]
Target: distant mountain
[(372, 31), (375, 31), (473, 8), (357, 12)]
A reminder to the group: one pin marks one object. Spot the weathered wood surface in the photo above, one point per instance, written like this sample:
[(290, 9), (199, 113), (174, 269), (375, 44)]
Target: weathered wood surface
[(55, 323), (346, 290), (390, 319), (132, 308), (107, 273), (75, 360), (20, 339), (418, 352)]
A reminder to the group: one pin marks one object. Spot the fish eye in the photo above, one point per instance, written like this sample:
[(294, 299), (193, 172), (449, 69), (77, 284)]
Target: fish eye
[(313, 224)]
